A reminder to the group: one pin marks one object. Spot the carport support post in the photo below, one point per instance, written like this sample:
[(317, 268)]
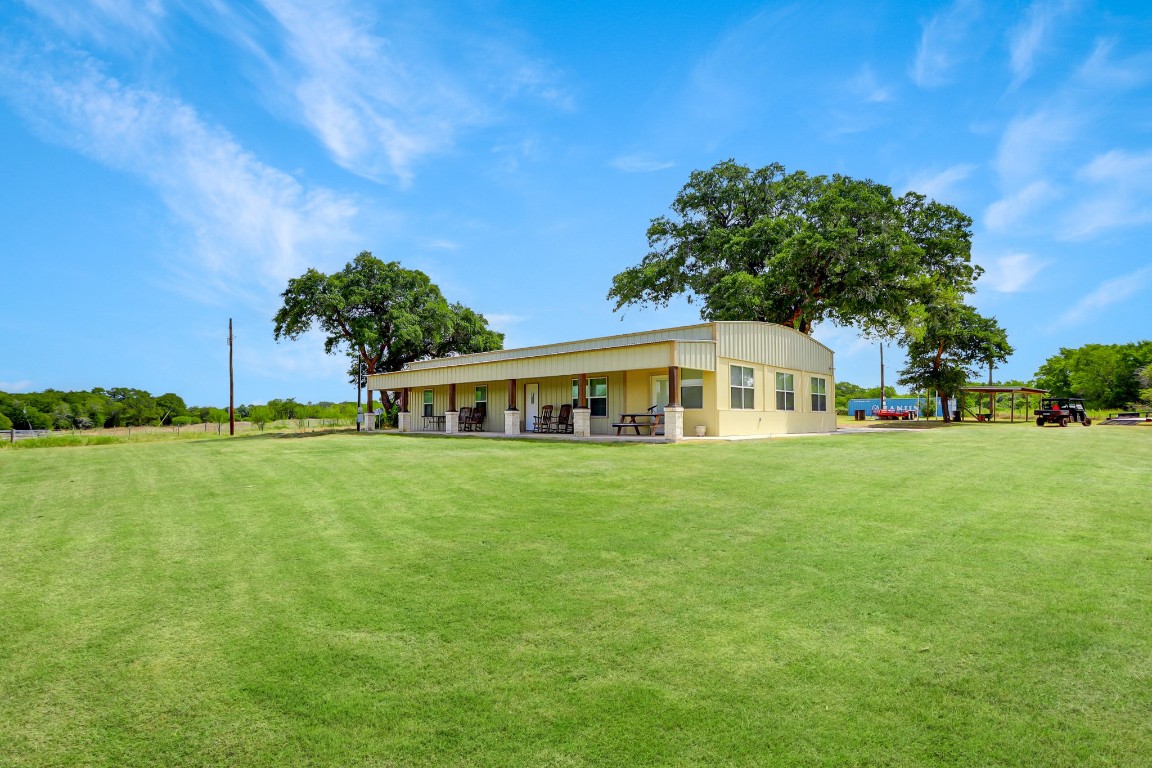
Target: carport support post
[(581, 414), (511, 416), (452, 415)]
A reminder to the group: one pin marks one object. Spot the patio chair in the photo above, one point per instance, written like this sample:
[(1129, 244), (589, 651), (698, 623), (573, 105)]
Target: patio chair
[(465, 419), (564, 420), (476, 422), (544, 420)]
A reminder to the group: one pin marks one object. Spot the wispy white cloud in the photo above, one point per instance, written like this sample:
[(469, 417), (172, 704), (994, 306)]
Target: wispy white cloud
[(1106, 296), (939, 185), (1011, 211), (867, 87), (248, 223), (1029, 141), (119, 23), (1117, 193), (944, 43), (1103, 70), (441, 244), (1011, 273), (21, 385), (1029, 37), (640, 163), (503, 322), (381, 92)]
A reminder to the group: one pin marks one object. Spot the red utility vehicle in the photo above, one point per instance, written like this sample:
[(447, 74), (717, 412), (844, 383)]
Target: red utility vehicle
[(1061, 410)]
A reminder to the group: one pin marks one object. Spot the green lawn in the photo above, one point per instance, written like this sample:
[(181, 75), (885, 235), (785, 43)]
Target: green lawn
[(978, 595)]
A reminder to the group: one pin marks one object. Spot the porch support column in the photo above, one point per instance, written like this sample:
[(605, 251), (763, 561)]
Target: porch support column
[(582, 414), (512, 415), (674, 422), (674, 412), (452, 415), (404, 418)]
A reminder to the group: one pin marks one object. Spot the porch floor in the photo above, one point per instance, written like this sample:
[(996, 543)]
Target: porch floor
[(632, 438)]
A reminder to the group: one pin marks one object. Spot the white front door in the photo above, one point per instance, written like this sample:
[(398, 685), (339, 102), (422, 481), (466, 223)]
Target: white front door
[(531, 405), (660, 392)]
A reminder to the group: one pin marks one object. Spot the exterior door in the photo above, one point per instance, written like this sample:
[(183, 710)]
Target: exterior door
[(531, 405), (660, 392)]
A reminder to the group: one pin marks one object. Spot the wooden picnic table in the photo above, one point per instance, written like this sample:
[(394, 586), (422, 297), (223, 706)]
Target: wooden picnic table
[(635, 421)]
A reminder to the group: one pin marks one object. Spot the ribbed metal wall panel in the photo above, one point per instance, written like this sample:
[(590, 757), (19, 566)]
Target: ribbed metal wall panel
[(687, 333), (772, 344), (656, 355), (700, 355)]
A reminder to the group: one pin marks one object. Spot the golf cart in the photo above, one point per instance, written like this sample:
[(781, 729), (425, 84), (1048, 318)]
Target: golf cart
[(1061, 410)]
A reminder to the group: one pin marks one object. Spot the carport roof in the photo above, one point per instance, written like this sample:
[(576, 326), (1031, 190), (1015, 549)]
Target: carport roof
[(992, 389)]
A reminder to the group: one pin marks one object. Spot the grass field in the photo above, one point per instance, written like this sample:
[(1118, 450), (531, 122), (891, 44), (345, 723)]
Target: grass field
[(970, 596)]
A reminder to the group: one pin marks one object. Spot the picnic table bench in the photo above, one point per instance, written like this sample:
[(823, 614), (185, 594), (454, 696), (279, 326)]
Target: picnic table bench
[(636, 421)]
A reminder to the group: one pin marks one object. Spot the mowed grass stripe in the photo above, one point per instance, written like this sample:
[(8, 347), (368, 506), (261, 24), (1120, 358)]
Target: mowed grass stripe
[(970, 596)]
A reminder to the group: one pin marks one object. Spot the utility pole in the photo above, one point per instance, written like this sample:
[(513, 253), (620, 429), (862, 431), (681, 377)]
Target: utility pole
[(231, 386)]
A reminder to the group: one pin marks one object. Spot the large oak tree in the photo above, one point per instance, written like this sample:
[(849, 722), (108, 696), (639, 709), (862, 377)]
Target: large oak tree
[(381, 314), (796, 249)]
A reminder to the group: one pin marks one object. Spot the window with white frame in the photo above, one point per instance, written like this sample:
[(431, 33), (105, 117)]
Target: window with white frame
[(692, 388), (743, 387), (428, 402), (481, 397), (819, 394), (597, 395), (785, 392)]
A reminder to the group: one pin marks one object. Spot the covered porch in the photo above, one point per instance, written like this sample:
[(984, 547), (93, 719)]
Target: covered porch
[(589, 392)]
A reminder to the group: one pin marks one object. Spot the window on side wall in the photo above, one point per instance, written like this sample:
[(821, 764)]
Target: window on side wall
[(428, 402), (819, 394), (597, 395), (743, 387), (481, 398), (785, 392), (692, 388)]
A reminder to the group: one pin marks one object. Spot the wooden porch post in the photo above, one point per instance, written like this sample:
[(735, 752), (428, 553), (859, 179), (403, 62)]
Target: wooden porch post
[(452, 397), (512, 394), (673, 385), (582, 397), (404, 400)]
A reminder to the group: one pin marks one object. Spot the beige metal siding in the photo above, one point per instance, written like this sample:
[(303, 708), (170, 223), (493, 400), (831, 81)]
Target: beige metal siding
[(686, 333), (658, 355), (771, 344), (700, 355)]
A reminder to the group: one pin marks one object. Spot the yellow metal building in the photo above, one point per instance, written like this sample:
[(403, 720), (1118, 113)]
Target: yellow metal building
[(731, 378)]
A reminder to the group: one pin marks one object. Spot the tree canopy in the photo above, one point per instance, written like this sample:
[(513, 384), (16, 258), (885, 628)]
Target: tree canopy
[(796, 249), (381, 314), (945, 345), (1105, 375)]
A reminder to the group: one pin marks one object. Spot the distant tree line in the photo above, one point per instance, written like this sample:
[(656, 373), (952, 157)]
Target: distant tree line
[(126, 407), (1105, 375)]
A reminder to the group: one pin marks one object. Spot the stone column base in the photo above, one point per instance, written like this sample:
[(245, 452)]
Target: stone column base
[(674, 422), (451, 422), (582, 422), (404, 421), (511, 422)]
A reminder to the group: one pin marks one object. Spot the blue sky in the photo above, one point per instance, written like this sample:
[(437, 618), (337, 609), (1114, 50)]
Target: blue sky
[(168, 165)]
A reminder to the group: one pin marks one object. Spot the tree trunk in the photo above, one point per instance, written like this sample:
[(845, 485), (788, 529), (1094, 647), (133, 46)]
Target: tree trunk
[(944, 397)]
